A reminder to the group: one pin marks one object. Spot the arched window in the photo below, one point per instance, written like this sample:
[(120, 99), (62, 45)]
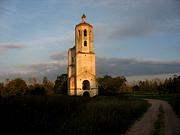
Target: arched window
[(85, 32), (85, 43), (79, 32), (86, 85)]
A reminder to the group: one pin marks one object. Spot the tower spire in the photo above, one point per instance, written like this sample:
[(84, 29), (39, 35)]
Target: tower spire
[(83, 18)]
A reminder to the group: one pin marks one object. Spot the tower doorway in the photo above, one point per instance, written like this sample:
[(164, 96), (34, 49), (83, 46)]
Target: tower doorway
[(86, 94), (86, 85)]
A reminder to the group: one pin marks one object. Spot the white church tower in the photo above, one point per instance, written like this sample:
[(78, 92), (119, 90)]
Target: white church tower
[(82, 62)]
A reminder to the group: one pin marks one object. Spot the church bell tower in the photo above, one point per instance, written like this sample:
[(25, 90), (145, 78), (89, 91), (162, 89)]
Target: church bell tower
[(81, 62)]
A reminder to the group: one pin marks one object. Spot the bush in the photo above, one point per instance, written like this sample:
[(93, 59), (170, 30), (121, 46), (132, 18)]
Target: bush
[(38, 90), (175, 102)]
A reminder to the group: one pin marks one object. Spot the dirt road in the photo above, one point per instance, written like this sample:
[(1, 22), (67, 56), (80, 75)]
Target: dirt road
[(170, 123)]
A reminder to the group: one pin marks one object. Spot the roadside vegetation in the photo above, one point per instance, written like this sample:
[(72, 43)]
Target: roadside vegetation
[(69, 115), (105, 115), (175, 102)]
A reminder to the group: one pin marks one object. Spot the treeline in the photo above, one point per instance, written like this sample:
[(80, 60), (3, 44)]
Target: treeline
[(107, 86), (19, 87), (115, 85), (171, 85)]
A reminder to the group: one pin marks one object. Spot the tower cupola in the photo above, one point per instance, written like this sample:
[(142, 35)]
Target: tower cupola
[(83, 18)]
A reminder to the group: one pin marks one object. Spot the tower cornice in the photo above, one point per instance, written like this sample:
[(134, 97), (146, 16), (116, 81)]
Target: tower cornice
[(84, 24)]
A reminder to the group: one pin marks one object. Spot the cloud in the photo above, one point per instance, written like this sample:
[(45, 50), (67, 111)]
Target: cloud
[(59, 56), (8, 46), (136, 28), (158, 77), (131, 67), (131, 30), (140, 18), (56, 66), (4, 47), (39, 70), (2, 8), (110, 66)]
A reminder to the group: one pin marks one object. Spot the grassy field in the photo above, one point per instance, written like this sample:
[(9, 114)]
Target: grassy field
[(69, 115), (144, 95)]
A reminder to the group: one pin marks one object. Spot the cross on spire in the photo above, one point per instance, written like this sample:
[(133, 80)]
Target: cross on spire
[(83, 18)]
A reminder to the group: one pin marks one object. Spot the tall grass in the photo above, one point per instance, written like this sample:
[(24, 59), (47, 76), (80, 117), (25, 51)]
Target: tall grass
[(175, 102), (105, 115), (36, 114), (69, 115)]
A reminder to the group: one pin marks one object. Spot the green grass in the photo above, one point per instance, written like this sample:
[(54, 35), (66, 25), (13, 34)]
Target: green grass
[(151, 95), (70, 115)]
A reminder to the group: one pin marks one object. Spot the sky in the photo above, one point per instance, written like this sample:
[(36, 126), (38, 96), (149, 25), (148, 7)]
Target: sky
[(132, 37)]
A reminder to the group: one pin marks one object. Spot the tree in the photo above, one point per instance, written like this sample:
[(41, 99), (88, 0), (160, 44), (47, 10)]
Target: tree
[(111, 86), (38, 89), (45, 80), (170, 85), (34, 80), (135, 88), (60, 86), (176, 84), (148, 85), (119, 84), (16, 87), (48, 85), (1, 89), (103, 84)]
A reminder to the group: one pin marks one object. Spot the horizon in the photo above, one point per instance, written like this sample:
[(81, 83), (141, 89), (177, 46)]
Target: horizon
[(134, 39), (131, 80)]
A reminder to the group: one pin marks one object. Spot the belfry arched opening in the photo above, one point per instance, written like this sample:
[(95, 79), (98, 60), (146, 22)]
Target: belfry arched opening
[(86, 85)]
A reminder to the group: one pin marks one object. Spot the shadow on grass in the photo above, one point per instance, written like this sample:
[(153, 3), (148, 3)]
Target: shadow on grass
[(69, 115)]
